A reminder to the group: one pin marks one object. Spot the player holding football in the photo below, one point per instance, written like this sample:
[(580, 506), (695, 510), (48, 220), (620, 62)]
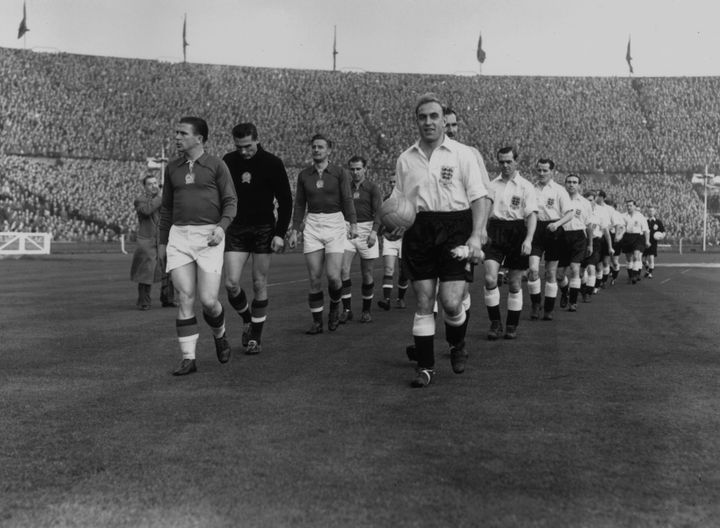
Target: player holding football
[(324, 190), (657, 232), (260, 179), (443, 179), (367, 200), (392, 255)]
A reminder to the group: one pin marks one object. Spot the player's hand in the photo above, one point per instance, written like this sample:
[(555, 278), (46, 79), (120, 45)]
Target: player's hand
[(526, 247), (217, 236), (277, 244), (552, 227), (371, 239), (353, 233), (395, 234), (588, 250), (611, 251), (647, 244), (475, 244), (292, 239), (162, 256)]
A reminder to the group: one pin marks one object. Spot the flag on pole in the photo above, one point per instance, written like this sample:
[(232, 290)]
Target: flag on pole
[(628, 57), (185, 42), (23, 23), (480, 52)]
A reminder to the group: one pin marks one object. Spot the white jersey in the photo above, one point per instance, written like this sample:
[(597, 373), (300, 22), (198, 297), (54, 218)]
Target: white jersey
[(513, 199), (583, 213), (450, 180), (553, 201), (635, 223)]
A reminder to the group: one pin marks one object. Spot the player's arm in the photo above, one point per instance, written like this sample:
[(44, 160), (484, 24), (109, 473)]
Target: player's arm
[(480, 209), (148, 205), (589, 229), (477, 191), (166, 214), (531, 210), (283, 195), (531, 225), (567, 210), (608, 239), (228, 203), (347, 204), (376, 203), (299, 210)]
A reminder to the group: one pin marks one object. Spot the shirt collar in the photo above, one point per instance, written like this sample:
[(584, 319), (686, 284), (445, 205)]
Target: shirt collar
[(447, 144)]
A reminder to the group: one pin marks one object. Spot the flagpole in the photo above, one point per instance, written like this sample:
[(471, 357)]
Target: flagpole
[(705, 186), (334, 47)]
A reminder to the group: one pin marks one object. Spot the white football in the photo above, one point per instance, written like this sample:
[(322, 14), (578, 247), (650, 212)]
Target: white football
[(658, 235)]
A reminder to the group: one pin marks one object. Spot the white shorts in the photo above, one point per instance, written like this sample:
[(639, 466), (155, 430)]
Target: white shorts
[(324, 231), (190, 244), (359, 244), (392, 248)]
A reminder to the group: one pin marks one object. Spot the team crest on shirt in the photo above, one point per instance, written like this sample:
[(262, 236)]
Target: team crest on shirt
[(189, 178), (550, 203), (246, 177), (578, 212), (446, 174), (356, 195), (320, 184), (515, 202)]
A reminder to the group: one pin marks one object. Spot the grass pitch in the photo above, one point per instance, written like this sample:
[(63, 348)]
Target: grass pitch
[(606, 417)]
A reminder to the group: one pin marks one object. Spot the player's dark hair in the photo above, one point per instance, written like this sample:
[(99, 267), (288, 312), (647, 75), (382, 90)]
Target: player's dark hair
[(546, 161), (508, 150), (356, 159), (242, 130), (147, 177), (321, 137), (588, 194), (573, 175), (199, 125), (428, 98), (601, 194), (448, 110), (631, 200), (610, 202)]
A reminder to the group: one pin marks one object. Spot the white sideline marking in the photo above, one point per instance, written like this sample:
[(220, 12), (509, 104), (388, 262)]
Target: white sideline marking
[(683, 272), (663, 282), (690, 265), (286, 282)]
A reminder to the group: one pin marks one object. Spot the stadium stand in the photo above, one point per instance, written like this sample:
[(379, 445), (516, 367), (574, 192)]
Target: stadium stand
[(76, 130)]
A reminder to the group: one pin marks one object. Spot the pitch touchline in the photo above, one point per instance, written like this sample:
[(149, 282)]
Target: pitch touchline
[(286, 282)]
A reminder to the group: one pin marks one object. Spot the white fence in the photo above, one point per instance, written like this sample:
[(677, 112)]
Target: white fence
[(24, 243)]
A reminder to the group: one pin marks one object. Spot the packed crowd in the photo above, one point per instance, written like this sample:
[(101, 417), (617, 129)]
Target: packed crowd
[(71, 106)]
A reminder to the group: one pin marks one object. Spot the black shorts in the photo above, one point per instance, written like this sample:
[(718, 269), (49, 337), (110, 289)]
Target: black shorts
[(632, 242), (652, 250), (574, 247), (427, 244), (505, 243), (249, 239), (546, 242), (605, 248), (594, 259)]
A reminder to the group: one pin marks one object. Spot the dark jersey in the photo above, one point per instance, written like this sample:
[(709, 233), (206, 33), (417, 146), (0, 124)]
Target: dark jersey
[(260, 181), (202, 196)]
